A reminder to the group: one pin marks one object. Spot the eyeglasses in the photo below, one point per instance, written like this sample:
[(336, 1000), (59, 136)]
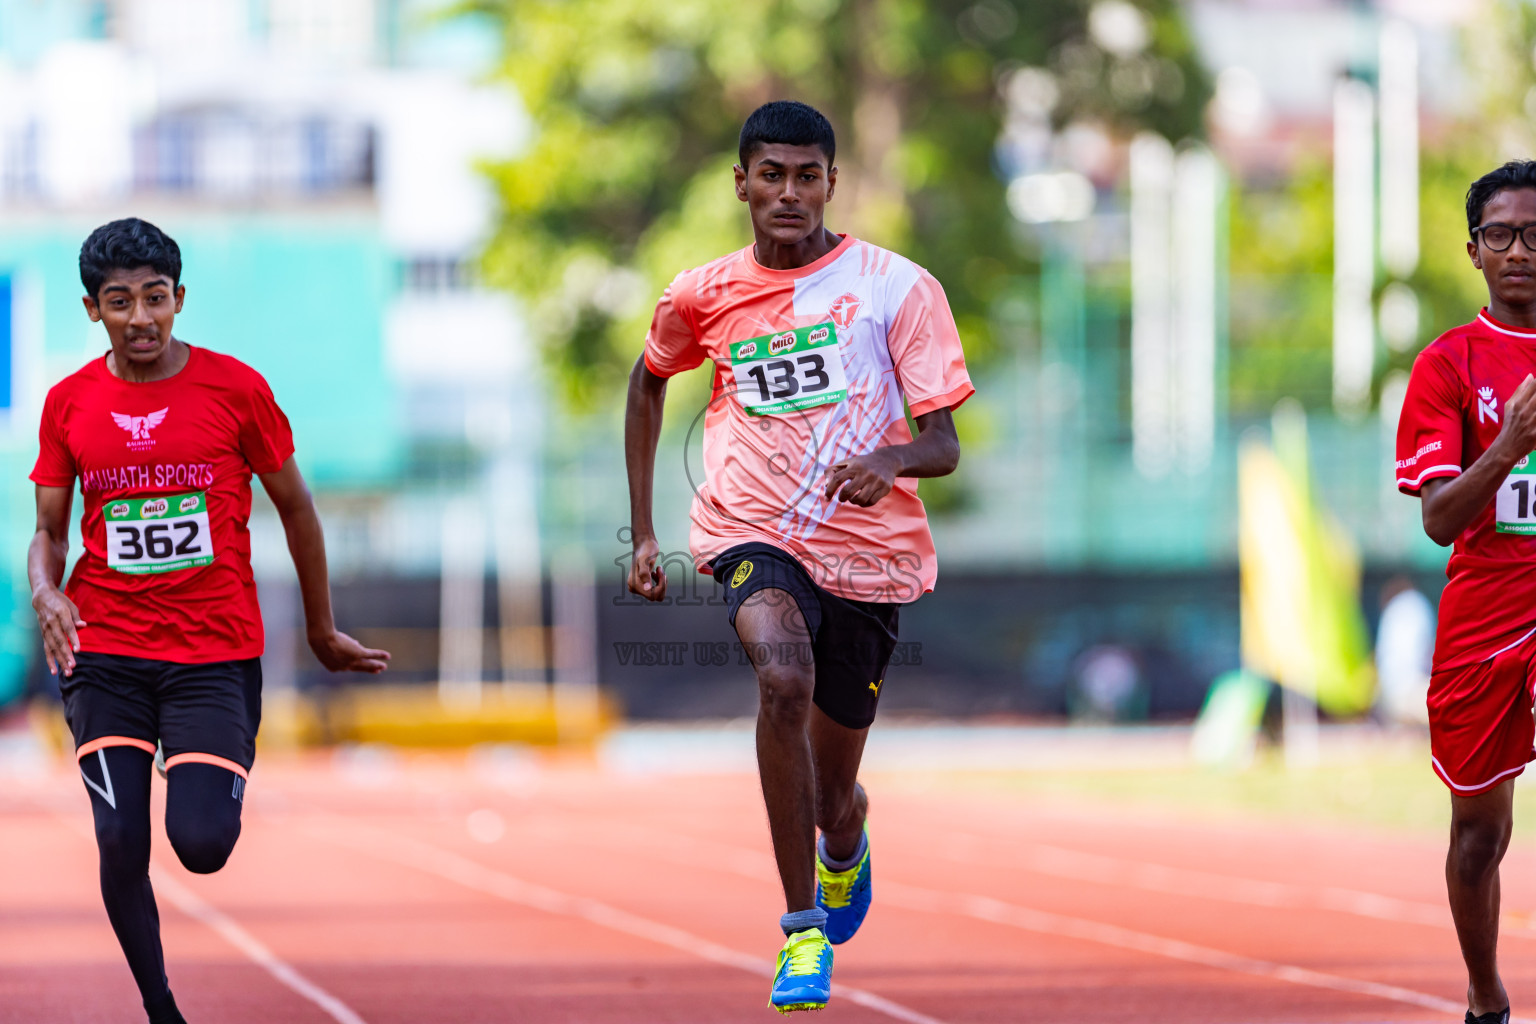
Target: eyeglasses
[(1498, 237)]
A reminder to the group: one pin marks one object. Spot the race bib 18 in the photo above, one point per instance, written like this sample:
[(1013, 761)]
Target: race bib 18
[(1514, 509), (158, 534), (791, 370)]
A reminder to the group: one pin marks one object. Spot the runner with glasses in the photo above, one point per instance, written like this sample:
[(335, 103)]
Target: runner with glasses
[(1498, 237), (1464, 445)]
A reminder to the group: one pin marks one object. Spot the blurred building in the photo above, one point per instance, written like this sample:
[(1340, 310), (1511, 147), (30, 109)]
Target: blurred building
[(1276, 63), (317, 164), (316, 161)]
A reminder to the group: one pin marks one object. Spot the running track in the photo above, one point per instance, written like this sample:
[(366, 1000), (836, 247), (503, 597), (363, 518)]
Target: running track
[(446, 888)]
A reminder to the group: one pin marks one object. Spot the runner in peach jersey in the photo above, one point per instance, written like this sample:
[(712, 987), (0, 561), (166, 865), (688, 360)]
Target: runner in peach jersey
[(809, 514), (860, 329)]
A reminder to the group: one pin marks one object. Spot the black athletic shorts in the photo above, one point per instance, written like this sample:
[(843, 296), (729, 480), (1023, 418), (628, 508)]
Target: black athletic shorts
[(201, 713), (851, 641)]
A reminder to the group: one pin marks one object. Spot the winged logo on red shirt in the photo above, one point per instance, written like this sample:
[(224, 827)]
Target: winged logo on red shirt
[(138, 427)]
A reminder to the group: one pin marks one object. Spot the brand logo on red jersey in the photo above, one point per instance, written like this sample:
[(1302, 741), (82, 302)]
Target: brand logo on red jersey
[(138, 427), (119, 510), (188, 503), (844, 309), (1487, 403), (154, 509)]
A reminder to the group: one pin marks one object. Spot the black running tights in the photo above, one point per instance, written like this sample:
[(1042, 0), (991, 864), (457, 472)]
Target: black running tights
[(202, 821)]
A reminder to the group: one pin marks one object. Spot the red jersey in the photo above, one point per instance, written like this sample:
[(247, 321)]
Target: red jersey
[(165, 473), (1451, 415)]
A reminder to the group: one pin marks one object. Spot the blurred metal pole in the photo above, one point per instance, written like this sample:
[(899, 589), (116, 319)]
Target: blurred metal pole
[(1063, 395), (1152, 168), (462, 614), (1398, 83), (519, 583), (1354, 250), (1299, 731), (575, 601), (1196, 194), (279, 598), (1397, 520)]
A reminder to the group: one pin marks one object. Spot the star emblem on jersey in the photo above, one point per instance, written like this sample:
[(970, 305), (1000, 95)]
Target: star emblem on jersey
[(138, 428), (844, 309), (1487, 404)]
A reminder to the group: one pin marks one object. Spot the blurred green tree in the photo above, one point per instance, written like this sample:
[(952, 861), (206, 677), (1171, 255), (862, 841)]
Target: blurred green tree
[(1498, 58), (637, 105), (1281, 301), (1282, 231), (1282, 271)]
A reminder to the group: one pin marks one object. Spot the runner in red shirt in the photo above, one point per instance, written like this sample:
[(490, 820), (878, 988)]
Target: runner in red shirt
[(1464, 445), (819, 345), (157, 636)]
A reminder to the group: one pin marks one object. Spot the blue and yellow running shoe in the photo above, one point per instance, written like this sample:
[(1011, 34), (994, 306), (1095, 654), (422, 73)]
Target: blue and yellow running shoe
[(804, 977), (844, 895)]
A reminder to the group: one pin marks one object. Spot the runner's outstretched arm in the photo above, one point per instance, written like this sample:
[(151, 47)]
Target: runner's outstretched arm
[(306, 543), (867, 478), (1451, 503), (642, 431), (57, 616)]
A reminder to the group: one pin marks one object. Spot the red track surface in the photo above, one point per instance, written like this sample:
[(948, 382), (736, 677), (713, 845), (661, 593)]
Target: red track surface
[(646, 899)]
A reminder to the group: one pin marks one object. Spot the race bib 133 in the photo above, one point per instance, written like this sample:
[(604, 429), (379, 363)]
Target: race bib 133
[(791, 370)]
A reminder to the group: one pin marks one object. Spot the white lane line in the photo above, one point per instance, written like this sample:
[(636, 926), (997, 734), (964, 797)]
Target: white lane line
[(195, 907), (984, 908), (470, 874), (1059, 862), (703, 853)]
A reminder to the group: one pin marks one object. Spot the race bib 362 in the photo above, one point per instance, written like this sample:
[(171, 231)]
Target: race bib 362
[(158, 534)]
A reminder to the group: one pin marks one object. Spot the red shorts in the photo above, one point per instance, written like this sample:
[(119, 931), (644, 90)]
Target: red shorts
[(1480, 726)]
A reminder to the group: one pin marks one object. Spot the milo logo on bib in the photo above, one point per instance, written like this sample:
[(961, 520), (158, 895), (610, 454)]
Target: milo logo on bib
[(150, 535), (790, 370)]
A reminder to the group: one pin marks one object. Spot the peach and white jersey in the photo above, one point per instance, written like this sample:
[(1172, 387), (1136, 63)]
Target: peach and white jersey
[(812, 367)]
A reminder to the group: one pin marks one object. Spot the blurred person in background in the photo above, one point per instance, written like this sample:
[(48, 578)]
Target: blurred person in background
[(1405, 647), (1464, 446), (810, 516), (1107, 686), (157, 637)]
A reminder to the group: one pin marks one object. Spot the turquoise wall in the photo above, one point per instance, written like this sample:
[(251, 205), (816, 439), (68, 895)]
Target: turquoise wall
[(302, 302), (305, 307), (29, 27)]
